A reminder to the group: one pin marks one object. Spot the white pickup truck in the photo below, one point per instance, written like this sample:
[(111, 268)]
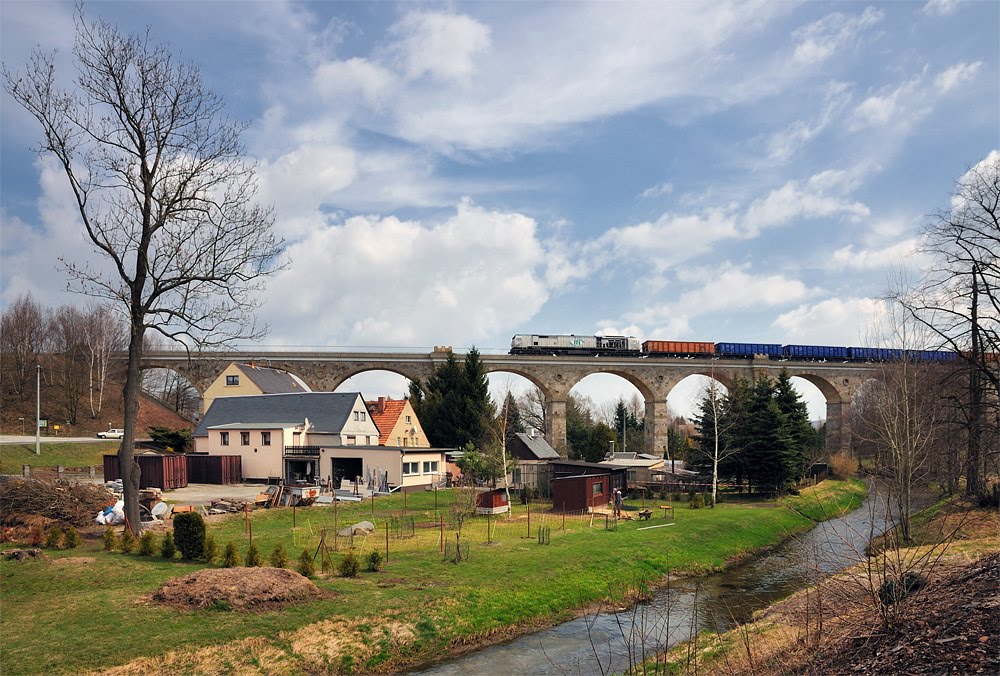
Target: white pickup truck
[(113, 433)]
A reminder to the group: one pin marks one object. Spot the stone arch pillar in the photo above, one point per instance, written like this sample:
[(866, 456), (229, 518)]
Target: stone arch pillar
[(838, 427), (555, 424)]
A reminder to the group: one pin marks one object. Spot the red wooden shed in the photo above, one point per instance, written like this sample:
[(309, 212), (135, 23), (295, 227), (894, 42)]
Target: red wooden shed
[(156, 471), (581, 493), (492, 502)]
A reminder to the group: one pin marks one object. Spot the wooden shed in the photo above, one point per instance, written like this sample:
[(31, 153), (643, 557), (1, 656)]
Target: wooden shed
[(156, 471), (567, 468), (492, 502), (214, 469), (581, 493)]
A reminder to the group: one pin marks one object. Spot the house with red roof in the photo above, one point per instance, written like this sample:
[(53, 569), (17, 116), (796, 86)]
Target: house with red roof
[(397, 423)]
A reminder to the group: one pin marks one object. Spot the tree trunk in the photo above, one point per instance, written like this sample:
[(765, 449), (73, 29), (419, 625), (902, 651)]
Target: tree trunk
[(972, 483), (126, 452)]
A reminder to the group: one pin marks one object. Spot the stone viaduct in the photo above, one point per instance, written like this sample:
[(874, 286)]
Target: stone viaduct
[(554, 376)]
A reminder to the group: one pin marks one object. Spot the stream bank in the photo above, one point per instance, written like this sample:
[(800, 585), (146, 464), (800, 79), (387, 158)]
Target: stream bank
[(609, 642)]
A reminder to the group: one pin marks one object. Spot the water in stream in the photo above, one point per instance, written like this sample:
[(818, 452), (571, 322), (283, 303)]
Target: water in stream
[(601, 643)]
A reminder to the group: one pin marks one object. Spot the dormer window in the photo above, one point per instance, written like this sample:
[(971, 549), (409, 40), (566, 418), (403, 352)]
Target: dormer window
[(232, 380)]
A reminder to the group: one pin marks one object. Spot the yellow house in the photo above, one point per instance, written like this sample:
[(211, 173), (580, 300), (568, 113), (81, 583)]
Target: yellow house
[(397, 423), (240, 380)]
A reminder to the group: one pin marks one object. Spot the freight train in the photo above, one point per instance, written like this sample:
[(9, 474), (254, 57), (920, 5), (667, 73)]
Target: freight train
[(628, 346)]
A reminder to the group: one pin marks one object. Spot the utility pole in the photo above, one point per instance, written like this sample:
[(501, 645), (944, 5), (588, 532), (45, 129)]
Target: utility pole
[(38, 409)]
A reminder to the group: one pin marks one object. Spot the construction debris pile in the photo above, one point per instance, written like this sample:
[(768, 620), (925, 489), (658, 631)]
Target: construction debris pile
[(71, 503)]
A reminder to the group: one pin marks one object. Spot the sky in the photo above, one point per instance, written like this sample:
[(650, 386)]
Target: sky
[(456, 173)]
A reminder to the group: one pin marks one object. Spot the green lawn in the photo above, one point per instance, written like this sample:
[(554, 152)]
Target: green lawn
[(71, 616), (70, 454)]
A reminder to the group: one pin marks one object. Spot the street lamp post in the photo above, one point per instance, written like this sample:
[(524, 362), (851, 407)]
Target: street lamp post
[(38, 409)]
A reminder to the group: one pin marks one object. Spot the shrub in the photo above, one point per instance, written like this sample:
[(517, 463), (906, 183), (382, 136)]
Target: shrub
[(893, 591), (375, 561), (231, 557), (306, 565), (54, 538), (349, 565), (147, 543), (278, 557), (990, 497), (676, 497), (36, 537), (167, 547), (127, 542), (211, 550), (697, 502), (253, 556), (110, 539), (189, 535), (72, 538), (842, 465)]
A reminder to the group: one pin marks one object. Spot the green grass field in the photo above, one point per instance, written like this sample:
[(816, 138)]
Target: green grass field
[(67, 614), (70, 454)]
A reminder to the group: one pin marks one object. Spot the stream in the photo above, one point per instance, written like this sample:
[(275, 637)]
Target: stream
[(601, 643)]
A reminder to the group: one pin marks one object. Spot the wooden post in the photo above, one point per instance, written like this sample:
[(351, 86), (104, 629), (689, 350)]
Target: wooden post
[(529, 518), (435, 498), (246, 518), (489, 522), (387, 541), (293, 515), (403, 491), (441, 521), (250, 530), (373, 503)]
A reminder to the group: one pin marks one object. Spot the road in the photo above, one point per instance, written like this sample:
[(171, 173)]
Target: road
[(18, 439)]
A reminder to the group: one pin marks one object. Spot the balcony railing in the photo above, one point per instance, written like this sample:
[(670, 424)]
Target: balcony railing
[(302, 451)]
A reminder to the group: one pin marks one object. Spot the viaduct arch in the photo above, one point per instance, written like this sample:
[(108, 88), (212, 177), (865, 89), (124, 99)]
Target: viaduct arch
[(554, 376)]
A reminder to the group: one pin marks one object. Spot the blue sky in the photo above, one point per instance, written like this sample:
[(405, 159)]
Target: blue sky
[(456, 173)]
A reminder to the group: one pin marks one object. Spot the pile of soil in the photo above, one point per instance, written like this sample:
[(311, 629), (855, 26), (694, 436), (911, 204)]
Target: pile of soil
[(239, 589), (949, 627)]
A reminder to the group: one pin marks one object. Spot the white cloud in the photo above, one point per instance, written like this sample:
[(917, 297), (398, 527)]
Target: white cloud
[(439, 45), (658, 190), (821, 39), (385, 281), (730, 287), (900, 254), (835, 321), (941, 7), (782, 145), (336, 81), (794, 201), (956, 75)]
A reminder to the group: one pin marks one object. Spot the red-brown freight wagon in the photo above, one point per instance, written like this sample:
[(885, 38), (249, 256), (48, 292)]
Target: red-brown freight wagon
[(214, 469), (156, 471), (678, 348)]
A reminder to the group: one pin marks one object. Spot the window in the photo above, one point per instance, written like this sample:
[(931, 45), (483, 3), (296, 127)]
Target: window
[(359, 415), (363, 417), (407, 419), (515, 475), (265, 438), (224, 438), (430, 467), (244, 438), (352, 441), (232, 380), (404, 441), (410, 468), (598, 488)]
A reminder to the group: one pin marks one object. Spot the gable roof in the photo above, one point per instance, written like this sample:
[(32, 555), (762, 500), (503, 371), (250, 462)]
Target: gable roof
[(385, 413), (326, 411), (271, 381), (535, 446)]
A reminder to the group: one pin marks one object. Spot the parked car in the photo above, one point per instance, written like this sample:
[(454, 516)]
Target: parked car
[(113, 433)]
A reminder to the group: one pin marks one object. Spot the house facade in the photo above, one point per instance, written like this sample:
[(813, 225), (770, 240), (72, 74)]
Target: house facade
[(278, 436), (241, 380), (397, 423), (533, 455), (640, 467)]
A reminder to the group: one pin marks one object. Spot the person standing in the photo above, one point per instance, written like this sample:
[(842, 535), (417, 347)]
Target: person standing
[(618, 504)]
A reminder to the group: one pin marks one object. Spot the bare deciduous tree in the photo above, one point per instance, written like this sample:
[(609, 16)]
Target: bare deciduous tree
[(165, 195), (24, 335), (103, 337), (959, 300)]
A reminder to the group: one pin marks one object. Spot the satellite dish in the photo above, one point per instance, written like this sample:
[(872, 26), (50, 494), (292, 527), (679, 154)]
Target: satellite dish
[(159, 509)]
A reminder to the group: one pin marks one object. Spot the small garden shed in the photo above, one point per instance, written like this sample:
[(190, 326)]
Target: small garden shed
[(581, 493), (492, 502)]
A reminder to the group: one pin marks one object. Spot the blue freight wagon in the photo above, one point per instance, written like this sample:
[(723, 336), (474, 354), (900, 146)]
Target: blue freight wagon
[(874, 354), (814, 352), (931, 355), (747, 350)]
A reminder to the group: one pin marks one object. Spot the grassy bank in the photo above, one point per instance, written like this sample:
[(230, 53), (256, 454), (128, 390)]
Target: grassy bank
[(819, 629), (416, 607), (69, 454)]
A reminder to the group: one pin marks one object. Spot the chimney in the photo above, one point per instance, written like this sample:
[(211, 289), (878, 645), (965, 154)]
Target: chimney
[(381, 404)]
